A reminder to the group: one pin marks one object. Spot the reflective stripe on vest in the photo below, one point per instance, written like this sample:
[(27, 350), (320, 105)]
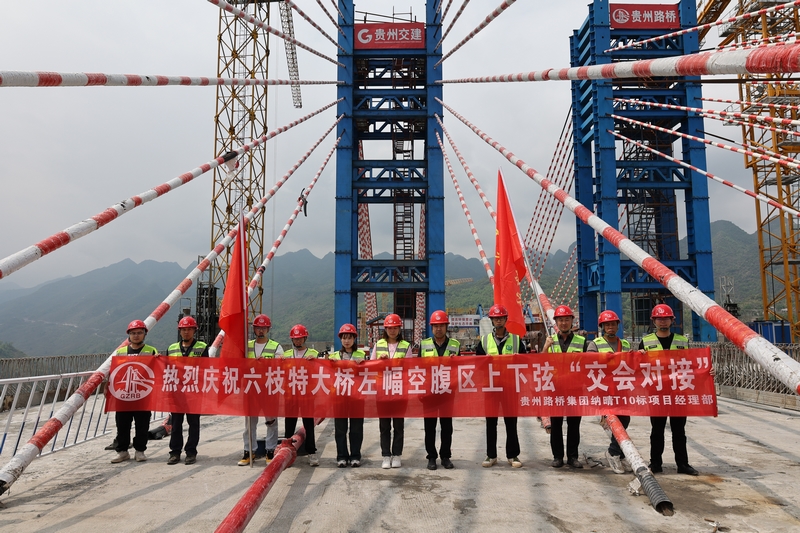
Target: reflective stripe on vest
[(651, 342), (427, 348), (357, 355), (268, 351), (575, 345), (310, 352), (490, 345), (196, 350), (603, 346), (146, 350), (382, 348)]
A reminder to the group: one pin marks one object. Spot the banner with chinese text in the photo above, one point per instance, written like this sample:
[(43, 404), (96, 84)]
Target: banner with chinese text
[(389, 35), (645, 16), (674, 383)]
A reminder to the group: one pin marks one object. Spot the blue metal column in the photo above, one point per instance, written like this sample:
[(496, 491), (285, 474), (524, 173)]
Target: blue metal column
[(434, 214), (623, 174), (346, 245)]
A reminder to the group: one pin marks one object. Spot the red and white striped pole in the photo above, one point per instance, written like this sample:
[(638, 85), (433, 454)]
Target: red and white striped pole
[(330, 17), (775, 60), (489, 18), (700, 110), (461, 199), (28, 255), (213, 349), (225, 6), (314, 24), (752, 104), (776, 362), (751, 125), (13, 78), (246, 507)]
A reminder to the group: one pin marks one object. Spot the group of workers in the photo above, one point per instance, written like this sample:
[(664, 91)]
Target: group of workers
[(392, 345)]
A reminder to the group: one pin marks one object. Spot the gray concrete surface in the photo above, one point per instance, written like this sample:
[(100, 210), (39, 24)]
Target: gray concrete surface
[(748, 458)]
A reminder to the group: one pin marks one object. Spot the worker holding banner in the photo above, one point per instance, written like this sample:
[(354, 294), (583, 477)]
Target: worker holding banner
[(262, 347), (391, 346), (663, 339), (349, 352), (565, 341), (501, 342), (299, 336), (438, 346), (608, 326), (137, 331)]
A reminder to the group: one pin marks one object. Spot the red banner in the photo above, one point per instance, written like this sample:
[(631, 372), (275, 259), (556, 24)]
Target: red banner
[(675, 383), (509, 263), (397, 35), (645, 16)]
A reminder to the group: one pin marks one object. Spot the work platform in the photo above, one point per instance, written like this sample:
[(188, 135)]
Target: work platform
[(749, 459)]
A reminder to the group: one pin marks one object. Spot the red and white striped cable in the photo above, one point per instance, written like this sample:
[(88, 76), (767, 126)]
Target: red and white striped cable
[(225, 6), (28, 255), (775, 60), (489, 18), (745, 16), (781, 161), (314, 24), (709, 175), (464, 207), (14, 78), (751, 125), (752, 104), (775, 361), (450, 26), (331, 17), (747, 116), (774, 40)]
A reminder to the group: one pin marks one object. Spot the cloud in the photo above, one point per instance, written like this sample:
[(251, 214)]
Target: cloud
[(68, 153)]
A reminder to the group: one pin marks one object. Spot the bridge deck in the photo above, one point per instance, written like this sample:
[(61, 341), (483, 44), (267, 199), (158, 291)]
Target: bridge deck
[(749, 459)]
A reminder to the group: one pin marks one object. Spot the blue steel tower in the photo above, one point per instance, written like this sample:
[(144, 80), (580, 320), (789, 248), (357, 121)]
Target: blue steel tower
[(613, 174), (388, 86)]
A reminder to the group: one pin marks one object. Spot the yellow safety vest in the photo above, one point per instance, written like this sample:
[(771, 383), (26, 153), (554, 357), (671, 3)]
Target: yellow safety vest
[(382, 348), (196, 350), (603, 346), (575, 346), (358, 355), (427, 348), (490, 345), (289, 354), (268, 352), (651, 342), (146, 350)]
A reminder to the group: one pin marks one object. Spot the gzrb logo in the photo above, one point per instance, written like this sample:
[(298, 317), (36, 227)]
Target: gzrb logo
[(131, 381)]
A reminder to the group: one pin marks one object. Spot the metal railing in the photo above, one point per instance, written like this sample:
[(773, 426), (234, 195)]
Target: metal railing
[(738, 376), (25, 367), (28, 402)]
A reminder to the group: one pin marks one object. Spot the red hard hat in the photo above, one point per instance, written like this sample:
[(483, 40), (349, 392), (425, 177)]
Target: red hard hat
[(392, 320), (187, 322), (262, 321), (348, 328), (563, 310), (662, 311), (497, 311), (607, 316), (136, 324), (439, 317), (298, 331)]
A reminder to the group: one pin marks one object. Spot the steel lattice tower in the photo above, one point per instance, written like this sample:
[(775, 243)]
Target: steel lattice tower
[(241, 116), (778, 232)]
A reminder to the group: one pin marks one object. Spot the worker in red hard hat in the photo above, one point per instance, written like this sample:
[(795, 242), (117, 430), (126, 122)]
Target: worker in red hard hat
[(137, 331), (565, 341), (439, 345), (501, 342), (261, 347), (391, 346), (349, 352), (299, 336), (607, 341), (664, 339), (187, 347)]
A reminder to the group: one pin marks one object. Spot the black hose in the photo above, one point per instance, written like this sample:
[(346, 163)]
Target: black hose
[(658, 498)]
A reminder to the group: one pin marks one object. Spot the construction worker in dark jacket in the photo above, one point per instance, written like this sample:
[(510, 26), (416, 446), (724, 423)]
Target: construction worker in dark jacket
[(501, 342), (663, 339), (299, 350), (438, 346), (348, 334), (137, 331), (187, 347), (565, 341)]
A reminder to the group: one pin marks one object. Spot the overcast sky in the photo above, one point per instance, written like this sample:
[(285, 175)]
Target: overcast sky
[(69, 153)]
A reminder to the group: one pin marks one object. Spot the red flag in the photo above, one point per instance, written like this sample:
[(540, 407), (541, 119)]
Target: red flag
[(233, 315), (509, 263)]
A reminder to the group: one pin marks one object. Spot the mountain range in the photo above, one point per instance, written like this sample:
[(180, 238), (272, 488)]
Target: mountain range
[(89, 313)]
